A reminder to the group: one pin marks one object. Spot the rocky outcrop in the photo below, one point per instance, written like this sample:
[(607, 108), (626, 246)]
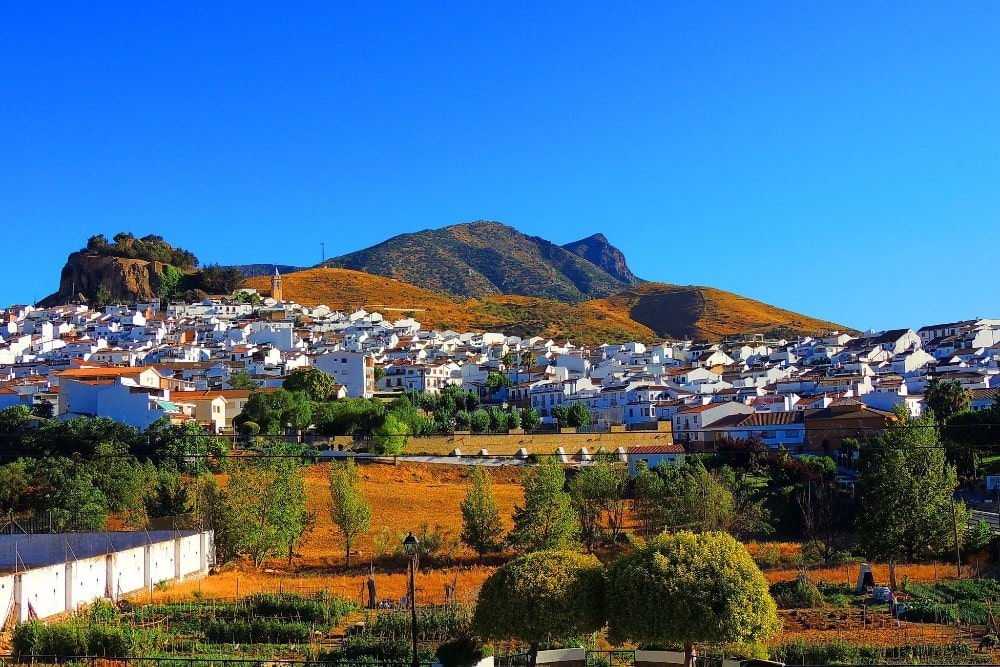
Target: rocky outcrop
[(127, 280), (596, 250)]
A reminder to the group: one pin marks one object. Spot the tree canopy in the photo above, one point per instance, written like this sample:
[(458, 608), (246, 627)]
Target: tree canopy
[(688, 588), (351, 513), (907, 492), (546, 520), (542, 595), (317, 385), (482, 528)]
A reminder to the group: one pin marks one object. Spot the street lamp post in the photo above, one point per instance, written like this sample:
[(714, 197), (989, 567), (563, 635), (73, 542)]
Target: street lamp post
[(411, 546)]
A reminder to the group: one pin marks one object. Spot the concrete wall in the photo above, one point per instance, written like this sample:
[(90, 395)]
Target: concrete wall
[(189, 556), (6, 597), (161, 562), (128, 571), (44, 588), (79, 576)]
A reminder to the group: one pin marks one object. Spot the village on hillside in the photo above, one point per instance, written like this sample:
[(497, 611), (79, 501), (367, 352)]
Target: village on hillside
[(138, 364)]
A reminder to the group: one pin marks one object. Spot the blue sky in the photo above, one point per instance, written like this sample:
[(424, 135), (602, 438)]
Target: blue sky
[(837, 159)]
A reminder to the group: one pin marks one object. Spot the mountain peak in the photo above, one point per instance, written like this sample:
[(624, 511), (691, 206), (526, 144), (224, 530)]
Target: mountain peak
[(484, 257), (597, 250)]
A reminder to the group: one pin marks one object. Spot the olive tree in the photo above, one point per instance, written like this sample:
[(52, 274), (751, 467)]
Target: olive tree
[(540, 596), (687, 588)]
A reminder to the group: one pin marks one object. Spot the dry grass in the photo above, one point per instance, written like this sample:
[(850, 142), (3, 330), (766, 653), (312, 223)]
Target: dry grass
[(643, 313), (407, 495)]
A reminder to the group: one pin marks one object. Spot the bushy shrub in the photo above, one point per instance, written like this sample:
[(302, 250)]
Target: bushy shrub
[(839, 595), (799, 593), (26, 639), (256, 631), (462, 652)]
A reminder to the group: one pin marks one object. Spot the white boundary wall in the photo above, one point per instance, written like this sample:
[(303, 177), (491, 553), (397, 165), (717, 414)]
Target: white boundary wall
[(57, 573), (6, 596)]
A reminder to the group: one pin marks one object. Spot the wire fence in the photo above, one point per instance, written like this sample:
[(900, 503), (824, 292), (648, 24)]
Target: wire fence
[(48, 522), (97, 661)]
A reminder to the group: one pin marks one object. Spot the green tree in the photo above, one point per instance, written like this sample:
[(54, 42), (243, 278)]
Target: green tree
[(561, 414), (348, 416), (170, 279), (482, 528), (979, 537), (649, 491), (695, 499), (542, 596), (391, 436), (184, 445), (479, 421), (546, 520), (13, 485), (578, 415), (248, 297), (242, 380), (907, 490), (508, 360), (530, 420), (102, 297), (598, 496), (496, 381), (276, 410), (350, 512), (43, 409), (317, 385), (946, 398), (688, 588), (266, 506)]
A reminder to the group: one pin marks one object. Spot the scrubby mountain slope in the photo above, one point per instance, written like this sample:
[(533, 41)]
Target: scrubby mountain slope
[(706, 313), (597, 250), (342, 289), (645, 313), (484, 258)]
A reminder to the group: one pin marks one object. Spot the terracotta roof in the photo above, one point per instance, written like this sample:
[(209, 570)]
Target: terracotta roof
[(105, 371), (656, 449)]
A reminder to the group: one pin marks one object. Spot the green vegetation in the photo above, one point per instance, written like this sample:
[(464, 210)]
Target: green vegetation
[(546, 520), (151, 248), (482, 528), (688, 588), (350, 512), (540, 596), (907, 488)]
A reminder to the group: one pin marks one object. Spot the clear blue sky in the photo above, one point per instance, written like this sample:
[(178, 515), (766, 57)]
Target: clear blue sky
[(837, 159)]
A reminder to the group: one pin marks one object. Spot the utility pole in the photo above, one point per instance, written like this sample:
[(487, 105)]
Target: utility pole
[(322, 245), (958, 555)]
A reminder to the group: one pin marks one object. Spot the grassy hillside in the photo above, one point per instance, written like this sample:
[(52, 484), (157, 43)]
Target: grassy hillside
[(645, 313), (706, 313), (341, 289), (481, 259)]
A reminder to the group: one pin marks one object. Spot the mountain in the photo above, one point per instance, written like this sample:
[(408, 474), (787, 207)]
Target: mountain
[(706, 313), (254, 270), (596, 250), (125, 279), (645, 313), (487, 258)]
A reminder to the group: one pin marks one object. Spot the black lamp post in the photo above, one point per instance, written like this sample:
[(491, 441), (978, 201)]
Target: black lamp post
[(412, 546)]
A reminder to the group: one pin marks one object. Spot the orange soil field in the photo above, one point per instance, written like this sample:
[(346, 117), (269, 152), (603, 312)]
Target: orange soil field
[(408, 495)]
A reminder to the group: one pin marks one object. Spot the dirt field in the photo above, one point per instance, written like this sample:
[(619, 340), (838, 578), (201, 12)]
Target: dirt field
[(406, 496)]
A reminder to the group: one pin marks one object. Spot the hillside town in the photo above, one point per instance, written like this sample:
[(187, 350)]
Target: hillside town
[(138, 364)]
